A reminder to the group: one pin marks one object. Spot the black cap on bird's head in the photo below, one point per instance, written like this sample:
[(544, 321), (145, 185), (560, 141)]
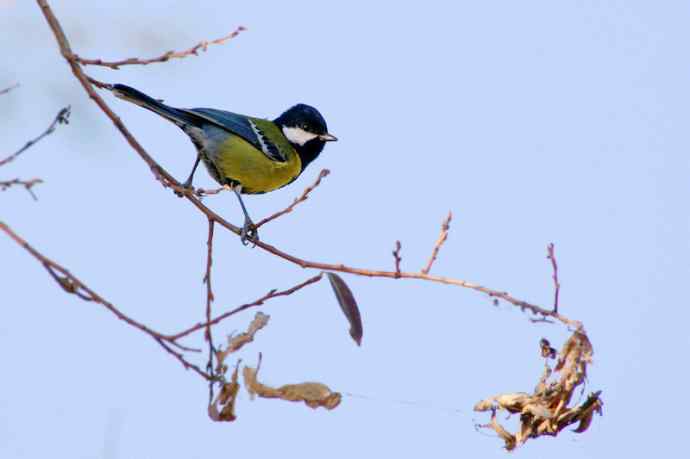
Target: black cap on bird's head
[(306, 130)]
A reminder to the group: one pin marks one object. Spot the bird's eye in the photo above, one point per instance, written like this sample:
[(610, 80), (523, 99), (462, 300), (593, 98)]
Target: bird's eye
[(305, 127)]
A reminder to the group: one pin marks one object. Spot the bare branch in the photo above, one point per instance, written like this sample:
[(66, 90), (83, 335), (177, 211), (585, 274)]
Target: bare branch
[(303, 197), (270, 295), (551, 255), (207, 280), (27, 184), (61, 118), (194, 50), (168, 181), (439, 242)]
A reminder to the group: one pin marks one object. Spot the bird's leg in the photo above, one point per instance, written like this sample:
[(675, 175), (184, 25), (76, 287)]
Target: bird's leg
[(249, 231), (188, 183)]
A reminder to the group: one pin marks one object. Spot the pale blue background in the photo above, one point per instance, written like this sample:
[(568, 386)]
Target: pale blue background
[(534, 121)]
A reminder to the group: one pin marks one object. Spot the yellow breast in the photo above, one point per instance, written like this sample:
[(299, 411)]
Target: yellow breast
[(238, 160)]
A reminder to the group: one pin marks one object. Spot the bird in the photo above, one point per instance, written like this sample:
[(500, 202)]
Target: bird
[(246, 154)]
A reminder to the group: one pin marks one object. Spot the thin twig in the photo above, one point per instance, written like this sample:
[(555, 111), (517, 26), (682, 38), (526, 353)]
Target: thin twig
[(61, 118), (439, 242), (187, 365), (27, 184), (397, 257), (551, 255), (209, 300), (303, 197), (270, 295), (194, 50), (99, 84), (201, 192), (8, 89), (207, 280)]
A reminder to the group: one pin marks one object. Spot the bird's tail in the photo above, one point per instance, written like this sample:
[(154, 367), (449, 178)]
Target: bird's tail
[(179, 117)]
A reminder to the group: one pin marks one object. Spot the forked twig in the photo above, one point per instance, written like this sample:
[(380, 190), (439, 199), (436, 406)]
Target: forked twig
[(439, 242), (61, 118), (193, 51)]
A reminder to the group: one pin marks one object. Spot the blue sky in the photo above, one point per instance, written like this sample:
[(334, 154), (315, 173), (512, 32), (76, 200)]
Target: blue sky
[(534, 122)]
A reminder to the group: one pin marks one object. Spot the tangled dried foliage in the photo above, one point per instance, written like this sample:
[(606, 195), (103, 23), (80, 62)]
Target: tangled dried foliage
[(222, 407), (546, 411)]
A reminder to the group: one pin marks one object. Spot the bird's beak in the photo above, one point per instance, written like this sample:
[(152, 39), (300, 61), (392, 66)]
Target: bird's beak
[(328, 138)]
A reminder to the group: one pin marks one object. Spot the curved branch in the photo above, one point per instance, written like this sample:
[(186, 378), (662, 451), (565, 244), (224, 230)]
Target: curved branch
[(169, 181)]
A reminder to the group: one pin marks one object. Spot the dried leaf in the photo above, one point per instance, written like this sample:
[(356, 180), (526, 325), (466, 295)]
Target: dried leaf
[(508, 438), (313, 394), (546, 411), (592, 405), (235, 343), (348, 305), (225, 400)]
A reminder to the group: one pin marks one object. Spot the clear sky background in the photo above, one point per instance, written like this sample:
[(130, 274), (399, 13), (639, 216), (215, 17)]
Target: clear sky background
[(533, 121)]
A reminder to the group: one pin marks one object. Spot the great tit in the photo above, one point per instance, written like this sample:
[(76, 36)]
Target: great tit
[(249, 155)]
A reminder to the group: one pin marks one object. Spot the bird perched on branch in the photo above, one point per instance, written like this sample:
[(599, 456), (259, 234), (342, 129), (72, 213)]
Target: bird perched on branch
[(249, 155)]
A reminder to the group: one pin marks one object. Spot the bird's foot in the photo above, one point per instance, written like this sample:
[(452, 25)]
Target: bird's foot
[(187, 185), (249, 233)]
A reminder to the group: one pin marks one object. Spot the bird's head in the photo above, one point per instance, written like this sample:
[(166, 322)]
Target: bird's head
[(306, 130)]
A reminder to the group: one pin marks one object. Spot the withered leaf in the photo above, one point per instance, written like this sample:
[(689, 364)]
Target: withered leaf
[(508, 438), (592, 405), (547, 410), (235, 343), (348, 305), (313, 394), (226, 399)]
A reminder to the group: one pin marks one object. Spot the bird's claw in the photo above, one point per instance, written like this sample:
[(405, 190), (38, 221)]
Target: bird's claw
[(249, 233), (187, 185)]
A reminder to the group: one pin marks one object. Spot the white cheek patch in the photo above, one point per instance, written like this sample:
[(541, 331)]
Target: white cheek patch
[(298, 135)]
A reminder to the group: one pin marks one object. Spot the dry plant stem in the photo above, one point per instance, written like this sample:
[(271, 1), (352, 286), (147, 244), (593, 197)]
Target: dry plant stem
[(27, 184), (169, 181), (194, 50), (439, 242), (207, 280), (551, 255), (61, 118), (209, 300), (303, 197)]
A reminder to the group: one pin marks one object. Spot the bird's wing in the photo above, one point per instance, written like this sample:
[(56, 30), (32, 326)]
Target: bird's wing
[(250, 129)]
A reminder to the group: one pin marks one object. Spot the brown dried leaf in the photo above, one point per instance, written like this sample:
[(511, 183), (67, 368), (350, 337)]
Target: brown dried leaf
[(225, 400), (508, 438), (348, 305), (313, 394), (546, 411), (592, 405), (235, 343), (512, 402), (572, 363)]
